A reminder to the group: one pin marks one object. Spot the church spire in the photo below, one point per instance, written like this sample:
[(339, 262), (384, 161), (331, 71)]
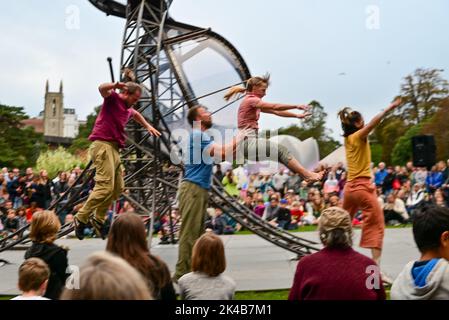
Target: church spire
[(46, 87), (60, 87)]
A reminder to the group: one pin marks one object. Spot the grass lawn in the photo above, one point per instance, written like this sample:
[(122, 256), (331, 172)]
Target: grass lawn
[(314, 228)]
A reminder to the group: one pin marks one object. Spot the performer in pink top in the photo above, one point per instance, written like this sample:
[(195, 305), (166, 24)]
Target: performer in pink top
[(108, 135), (248, 116)]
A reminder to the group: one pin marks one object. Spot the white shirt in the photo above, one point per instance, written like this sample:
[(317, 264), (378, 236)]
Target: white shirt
[(30, 298)]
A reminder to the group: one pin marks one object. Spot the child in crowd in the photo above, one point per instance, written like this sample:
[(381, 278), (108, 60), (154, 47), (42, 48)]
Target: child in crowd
[(427, 278), (33, 279), (206, 281), (44, 229)]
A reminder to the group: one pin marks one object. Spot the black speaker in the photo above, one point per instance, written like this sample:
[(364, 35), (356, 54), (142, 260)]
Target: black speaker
[(424, 151)]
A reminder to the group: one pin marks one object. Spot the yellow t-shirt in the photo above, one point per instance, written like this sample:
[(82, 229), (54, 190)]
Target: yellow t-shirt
[(358, 156)]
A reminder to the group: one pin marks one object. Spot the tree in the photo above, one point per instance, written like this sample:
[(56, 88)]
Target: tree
[(81, 142), (422, 93), (439, 128), (402, 151), (314, 127), (19, 147)]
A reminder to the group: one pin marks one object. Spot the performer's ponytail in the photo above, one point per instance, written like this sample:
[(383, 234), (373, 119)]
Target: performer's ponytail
[(129, 78), (250, 84), (348, 119)]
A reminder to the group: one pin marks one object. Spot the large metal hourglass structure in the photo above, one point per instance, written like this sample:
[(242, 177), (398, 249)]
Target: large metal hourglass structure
[(179, 66)]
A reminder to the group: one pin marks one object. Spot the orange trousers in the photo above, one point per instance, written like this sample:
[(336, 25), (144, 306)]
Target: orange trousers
[(360, 194)]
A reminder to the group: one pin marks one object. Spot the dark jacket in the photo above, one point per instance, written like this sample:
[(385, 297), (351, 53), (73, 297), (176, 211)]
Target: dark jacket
[(56, 258)]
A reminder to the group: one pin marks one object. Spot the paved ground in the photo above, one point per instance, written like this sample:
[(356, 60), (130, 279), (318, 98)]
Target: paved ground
[(253, 263)]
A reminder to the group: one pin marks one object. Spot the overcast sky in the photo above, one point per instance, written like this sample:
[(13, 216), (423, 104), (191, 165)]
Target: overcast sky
[(341, 53)]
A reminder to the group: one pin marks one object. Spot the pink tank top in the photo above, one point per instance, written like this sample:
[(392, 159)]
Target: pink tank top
[(249, 114)]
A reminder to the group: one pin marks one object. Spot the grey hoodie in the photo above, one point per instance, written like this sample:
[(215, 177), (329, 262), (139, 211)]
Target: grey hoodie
[(436, 288)]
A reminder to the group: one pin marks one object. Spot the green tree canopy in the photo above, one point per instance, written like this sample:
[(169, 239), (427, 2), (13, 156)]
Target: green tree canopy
[(19, 146), (315, 127)]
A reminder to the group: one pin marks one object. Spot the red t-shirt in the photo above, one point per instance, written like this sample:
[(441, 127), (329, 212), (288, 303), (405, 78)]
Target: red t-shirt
[(110, 123), (249, 114)]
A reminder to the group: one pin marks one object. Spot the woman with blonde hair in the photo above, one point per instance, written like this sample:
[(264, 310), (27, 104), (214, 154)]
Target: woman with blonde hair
[(44, 229), (108, 277), (248, 116), (206, 281), (360, 192)]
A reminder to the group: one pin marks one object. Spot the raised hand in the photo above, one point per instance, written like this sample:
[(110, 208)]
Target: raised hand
[(304, 115), (121, 86), (396, 103)]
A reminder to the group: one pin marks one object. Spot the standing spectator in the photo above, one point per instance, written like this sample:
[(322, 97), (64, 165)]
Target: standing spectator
[(421, 176), (380, 175), (44, 228), (434, 180), (127, 239), (442, 167), (293, 181), (387, 185), (341, 184), (47, 187), (339, 170), (107, 277), (325, 275), (37, 190), (331, 183), (206, 281), (427, 278), (218, 173), (230, 183), (33, 279)]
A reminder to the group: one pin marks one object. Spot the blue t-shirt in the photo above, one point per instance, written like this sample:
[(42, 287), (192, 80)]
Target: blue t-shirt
[(198, 163)]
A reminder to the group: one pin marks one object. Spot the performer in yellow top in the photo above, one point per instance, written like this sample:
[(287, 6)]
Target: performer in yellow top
[(360, 191)]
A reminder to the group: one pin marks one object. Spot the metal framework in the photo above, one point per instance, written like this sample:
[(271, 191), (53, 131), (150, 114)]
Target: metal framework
[(158, 48)]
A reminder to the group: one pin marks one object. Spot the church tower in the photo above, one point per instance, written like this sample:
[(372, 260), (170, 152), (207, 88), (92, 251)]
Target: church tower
[(54, 112)]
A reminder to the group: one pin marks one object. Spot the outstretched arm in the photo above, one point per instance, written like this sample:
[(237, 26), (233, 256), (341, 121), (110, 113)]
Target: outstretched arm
[(220, 151), (288, 114), (271, 107), (366, 130), (140, 119)]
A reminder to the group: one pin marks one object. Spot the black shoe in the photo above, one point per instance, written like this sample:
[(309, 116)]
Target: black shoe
[(101, 229), (79, 228)]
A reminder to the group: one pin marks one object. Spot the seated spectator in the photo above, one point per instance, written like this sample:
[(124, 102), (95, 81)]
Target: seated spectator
[(297, 212), (325, 275), (284, 218), (259, 208), (438, 198), (206, 281), (33, 279), (11, 223), (218, 223), (427, 278), (394, 211), (271, 210), (415, 197), (230, 183), (127, 239), (334, 200), (31, 210), (108, 277), (44, 229)]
